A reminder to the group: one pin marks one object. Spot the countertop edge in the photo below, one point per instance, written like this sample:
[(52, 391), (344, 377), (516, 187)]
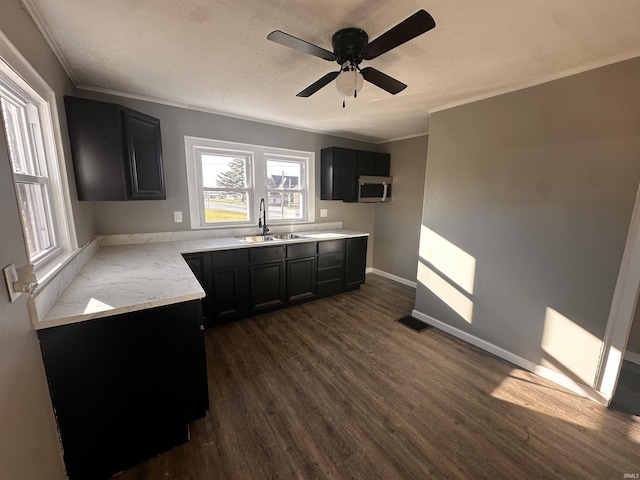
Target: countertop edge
[(181, 248)]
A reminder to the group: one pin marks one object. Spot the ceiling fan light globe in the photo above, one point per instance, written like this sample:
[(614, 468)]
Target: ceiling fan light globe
[(349, 82)]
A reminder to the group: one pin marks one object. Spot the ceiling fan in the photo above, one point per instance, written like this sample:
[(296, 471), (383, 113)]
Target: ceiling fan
[(350, 47)]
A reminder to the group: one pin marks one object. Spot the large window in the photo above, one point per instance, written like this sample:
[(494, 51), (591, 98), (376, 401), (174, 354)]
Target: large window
[(27, 128), (228, 180)]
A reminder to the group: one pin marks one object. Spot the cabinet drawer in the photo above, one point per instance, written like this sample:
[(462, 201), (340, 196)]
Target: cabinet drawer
[(328, 288), (331, 246), (301, 250), (358, 244), (330, 260), (329, 274), (266, 254)]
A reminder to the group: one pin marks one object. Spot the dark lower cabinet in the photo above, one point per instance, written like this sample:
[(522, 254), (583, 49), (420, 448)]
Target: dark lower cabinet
[(355, 261), (266, 285), (244, 281), (229, 285), (266, 277), (200, 266), (330, 272), (301, 271), (301, 281), (125, 388)]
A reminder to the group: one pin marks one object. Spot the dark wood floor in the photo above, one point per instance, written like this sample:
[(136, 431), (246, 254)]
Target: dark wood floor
[(336, 389)]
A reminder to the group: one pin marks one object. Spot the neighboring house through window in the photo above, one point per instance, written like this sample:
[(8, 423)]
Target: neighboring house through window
[(227, 180)]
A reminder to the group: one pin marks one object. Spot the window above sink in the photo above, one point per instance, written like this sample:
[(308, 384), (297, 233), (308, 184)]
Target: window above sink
[(226, 181)]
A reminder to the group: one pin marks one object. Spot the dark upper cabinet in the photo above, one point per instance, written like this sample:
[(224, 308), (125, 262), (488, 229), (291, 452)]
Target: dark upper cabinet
[(338, 169), (374, 163), (341, 167), (117, 152)]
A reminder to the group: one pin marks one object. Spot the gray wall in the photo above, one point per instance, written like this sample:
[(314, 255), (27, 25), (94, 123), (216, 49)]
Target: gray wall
[(29, 446), (397, 223), (157, 216), (17, 25), (536, 190)]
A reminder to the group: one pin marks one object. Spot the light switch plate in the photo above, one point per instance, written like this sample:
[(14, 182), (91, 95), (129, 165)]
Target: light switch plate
[(323, 212), (177, 216), (11, 276)]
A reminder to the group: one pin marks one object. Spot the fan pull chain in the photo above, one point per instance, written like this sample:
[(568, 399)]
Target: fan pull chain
[(355, 84), (344, 104)]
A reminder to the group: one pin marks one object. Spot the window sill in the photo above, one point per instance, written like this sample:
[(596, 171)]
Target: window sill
[(54, 277)]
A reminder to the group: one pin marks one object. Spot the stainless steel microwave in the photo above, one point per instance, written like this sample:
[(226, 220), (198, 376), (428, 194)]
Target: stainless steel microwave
[(374, 189)]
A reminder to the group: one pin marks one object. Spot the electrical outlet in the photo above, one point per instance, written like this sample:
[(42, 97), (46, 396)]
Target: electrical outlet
[(177, 216), (323, 212), (11, 277)]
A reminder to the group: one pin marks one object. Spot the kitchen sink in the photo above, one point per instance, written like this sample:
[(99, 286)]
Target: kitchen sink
[(285, 236), (256, 238), (269, 238)]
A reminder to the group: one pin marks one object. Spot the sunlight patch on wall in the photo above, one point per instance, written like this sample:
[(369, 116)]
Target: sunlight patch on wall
[(573, 350), (451, 260), (94, 305), (446, 292)]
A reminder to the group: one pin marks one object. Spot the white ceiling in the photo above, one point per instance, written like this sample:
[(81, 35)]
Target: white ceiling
[(213, 55)]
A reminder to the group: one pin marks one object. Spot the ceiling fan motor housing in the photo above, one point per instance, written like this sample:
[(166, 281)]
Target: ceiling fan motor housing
[(348, 45)]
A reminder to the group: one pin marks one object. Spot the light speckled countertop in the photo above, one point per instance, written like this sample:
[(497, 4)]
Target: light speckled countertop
[(126, 278)]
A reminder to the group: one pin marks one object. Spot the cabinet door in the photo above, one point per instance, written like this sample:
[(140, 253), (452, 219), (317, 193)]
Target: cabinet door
[(382, 164), (355, 261), (96, 148), (366, 163), (143, 156), (229, 281), (338, 174), (200, 268), (301, 278), (125, 388), (266, 285), (345, 164)]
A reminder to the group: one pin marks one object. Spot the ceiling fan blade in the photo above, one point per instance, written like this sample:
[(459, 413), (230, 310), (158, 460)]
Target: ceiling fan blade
[(306, 47), (382, 80), (417, 24), (314, 87)]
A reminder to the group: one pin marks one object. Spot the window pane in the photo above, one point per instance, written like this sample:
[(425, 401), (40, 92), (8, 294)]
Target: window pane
[(285, 205), (225, 206), (283, 175), (16, 129), (223, 171), (37, 228)]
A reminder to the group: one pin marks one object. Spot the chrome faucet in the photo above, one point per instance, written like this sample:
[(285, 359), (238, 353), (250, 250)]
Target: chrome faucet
[(262, 218)]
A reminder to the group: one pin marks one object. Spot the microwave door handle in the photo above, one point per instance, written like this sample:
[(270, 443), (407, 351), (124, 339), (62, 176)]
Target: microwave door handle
[(385, 187)]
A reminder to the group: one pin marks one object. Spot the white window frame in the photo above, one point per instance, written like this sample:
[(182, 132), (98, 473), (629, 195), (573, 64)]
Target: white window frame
[(257, 179), (19, 77)]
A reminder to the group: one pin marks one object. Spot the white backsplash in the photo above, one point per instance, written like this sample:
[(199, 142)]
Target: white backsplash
[(124, 239)]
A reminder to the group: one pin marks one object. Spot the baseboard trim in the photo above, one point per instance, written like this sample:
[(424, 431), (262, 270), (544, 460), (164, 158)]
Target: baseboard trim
[(544, 372), (632, 357), (395, 278)]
